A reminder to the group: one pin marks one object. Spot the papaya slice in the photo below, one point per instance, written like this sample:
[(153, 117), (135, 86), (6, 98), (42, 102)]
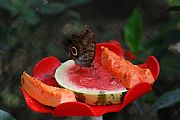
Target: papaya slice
[(129, 74), (45, 94)]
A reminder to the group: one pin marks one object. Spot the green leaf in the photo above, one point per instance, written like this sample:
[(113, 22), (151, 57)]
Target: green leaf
[(166, 100), (10, 99), (73, 14), (34, 2), (170, 65), (173, 2), (73, 3), (7, 5), (174, 8), (139, 106), (133, 31), (149, 98), (52, 8), (5, 116), (30, 16)]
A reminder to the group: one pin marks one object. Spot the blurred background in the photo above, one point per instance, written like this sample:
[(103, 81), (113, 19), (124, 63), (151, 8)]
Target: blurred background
[(33, 29)]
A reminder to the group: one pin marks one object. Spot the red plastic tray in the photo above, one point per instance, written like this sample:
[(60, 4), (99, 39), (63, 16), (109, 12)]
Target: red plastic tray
[(44, 71)]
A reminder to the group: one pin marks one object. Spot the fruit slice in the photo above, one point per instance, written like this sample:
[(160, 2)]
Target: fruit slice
[(129, 74), (45, 94), (93, 86)]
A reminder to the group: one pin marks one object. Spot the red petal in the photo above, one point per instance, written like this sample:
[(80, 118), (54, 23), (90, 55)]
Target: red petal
[(129, 55), (136, 92), (153, 65), (44, 70), (74, 109), (110, 46), (115, 42)]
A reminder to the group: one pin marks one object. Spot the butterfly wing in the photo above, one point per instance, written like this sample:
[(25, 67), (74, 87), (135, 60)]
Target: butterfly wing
[(81, 47)]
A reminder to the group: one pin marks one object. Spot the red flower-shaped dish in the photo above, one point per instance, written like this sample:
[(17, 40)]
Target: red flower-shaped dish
[(44, 71)]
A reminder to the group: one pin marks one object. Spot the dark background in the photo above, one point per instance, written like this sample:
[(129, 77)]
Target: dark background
[(31, 30)]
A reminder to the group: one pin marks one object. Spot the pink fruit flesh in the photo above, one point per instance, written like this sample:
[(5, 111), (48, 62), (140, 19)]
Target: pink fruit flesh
[(95, 77)]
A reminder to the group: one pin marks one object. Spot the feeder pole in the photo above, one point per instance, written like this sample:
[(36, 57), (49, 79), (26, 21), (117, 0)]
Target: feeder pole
[(97, 118)]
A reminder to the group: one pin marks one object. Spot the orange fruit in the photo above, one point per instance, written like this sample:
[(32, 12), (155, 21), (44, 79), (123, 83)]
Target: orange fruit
[(125, 71), (45, 94)]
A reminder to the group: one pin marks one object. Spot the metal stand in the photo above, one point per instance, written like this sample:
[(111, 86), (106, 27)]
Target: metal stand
[(97, 118)]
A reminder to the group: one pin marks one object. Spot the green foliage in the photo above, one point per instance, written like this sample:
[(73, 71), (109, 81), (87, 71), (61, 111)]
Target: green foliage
[(159, 46), (34, 3), (28, 9), (12, 7), (133, 31), (29, 16), (170, 65), (73, 14), (174, 5), (5, 116), (52, 8), (139, 106), (149, 98), (12, 100), (174, 2), (72, 3), (166, 100)]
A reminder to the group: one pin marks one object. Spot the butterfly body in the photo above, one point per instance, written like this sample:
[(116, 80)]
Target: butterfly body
[(81, 47)]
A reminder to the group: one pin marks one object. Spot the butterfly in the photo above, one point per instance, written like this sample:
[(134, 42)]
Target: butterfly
[(81, 47)]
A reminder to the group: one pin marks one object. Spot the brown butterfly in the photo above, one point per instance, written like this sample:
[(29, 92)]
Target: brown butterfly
[(81, 47)]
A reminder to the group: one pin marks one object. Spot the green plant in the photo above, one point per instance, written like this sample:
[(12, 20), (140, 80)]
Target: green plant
[(166, 100), (162, 47), (133, 31), (5, 115)]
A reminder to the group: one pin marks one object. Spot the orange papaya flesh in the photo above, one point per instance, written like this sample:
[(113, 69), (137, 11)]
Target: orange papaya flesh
[(45, 94), (125, 71)]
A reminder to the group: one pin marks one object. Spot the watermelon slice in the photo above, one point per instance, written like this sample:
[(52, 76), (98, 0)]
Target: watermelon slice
[(93, 86)]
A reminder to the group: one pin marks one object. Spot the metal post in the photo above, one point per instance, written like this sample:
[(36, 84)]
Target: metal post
[(97, 118)]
